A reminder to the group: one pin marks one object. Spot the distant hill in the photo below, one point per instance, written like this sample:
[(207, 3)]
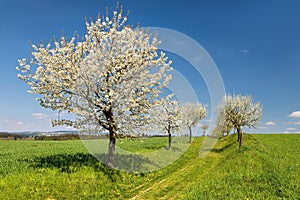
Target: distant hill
[(56, 135), (8, 135)]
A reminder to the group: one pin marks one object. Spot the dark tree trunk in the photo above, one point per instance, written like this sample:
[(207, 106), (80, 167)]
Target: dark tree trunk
[(111, 149), (241, 140), (112, 128), (190, 141), (240, 137), (170, 140)]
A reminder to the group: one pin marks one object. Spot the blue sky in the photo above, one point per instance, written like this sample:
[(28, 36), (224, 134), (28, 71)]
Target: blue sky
[(255, 45)]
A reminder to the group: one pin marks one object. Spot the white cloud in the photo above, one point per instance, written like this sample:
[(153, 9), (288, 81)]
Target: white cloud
[(13, 122), (270, 123), (40, 115), (290, 129), (199, 57), (292, 132), (297, 123), (262, 127), (19, 123), (295, 114), (244, 51)]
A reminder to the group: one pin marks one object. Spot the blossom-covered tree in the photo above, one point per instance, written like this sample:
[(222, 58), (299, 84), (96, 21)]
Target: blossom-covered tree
[(191, 115), (168, 118), (238, 111), (223, 125), (204, 127), (110, 79)]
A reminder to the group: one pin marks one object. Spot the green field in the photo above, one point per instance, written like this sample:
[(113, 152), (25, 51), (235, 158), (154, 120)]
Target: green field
[(266, 167)]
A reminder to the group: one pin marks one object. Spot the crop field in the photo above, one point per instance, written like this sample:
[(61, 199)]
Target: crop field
[(266, 167)]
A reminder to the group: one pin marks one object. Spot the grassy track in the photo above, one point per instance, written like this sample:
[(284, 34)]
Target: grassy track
[(267, 167)]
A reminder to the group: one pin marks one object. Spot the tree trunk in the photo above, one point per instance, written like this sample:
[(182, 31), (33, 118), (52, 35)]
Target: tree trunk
[(241, 140), (240, 137), (170, 140), (190, 141), (111, 149)]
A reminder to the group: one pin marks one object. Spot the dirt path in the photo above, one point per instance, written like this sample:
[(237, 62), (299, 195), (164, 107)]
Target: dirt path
[(177, 183)]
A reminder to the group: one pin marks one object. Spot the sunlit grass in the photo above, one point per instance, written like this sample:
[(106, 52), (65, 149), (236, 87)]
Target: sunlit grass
[(267, 167)]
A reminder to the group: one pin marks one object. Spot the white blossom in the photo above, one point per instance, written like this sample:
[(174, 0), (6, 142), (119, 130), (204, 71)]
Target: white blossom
[(110, 80), (192, 114), (237, 111)]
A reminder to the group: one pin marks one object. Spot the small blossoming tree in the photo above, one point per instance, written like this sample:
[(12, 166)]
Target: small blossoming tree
[(168, 117), (191, 115), (204, 127), (237, 112), (223, 125), (110, 80)]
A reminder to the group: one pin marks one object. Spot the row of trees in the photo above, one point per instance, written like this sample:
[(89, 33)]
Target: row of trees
[(112, 80), (172, 117)]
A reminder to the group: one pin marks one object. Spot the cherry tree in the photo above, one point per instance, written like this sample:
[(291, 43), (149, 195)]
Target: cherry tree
[(191, 115), (238, 111), (204, 127), (168, 118), (223, 125), (110, 79)]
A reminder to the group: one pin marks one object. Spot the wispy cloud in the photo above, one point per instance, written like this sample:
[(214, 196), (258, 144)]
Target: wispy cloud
[(270, 123), (295, 114), (13, 122), (290, 129), (297, 123), (199, 57), (40, 115), (262, 127), (244, 51)]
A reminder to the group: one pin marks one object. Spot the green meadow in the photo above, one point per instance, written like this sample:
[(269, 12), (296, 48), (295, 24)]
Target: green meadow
[(266, 167)]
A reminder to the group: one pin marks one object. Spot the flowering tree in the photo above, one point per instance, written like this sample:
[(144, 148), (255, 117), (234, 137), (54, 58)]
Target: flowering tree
[(223, 124), (168, 117), (110, 80), (238, 111), (191, 115), (204, 127)]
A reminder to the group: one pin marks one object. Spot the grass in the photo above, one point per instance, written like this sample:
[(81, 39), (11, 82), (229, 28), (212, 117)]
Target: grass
[(267, 167)]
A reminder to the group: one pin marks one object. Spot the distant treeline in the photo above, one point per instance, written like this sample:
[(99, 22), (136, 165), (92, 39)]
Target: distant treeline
[(12, 136), (70, 136)]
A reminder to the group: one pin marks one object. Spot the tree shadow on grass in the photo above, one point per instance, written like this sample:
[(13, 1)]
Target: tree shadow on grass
[(70, 163), (220, 150)]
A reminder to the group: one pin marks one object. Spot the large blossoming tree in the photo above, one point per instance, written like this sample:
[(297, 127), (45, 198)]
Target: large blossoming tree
[(110, 79), (237, 111)]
